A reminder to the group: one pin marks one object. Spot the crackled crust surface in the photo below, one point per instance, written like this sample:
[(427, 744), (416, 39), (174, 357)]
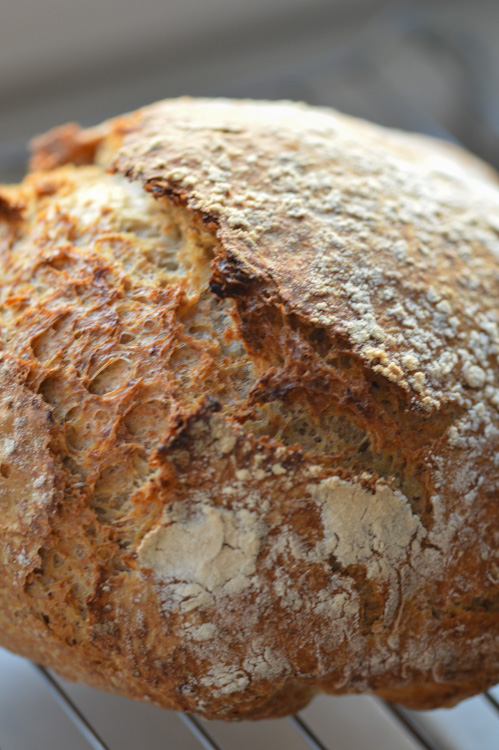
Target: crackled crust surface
[(249, 410)]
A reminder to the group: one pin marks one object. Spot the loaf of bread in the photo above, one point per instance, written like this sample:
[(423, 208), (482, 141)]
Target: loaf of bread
[(249, 410)]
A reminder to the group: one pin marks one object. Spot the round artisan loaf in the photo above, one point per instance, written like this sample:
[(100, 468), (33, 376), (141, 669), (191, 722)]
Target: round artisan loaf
[(249, 410)]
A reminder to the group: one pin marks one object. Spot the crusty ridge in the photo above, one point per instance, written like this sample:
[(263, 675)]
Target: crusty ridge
[(321, 216), (285, 365)]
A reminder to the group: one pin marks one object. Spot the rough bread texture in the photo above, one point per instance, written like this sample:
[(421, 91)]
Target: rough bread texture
[(249, 410)]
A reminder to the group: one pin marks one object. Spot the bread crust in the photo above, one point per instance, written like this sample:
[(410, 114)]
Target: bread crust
[(249, 410)]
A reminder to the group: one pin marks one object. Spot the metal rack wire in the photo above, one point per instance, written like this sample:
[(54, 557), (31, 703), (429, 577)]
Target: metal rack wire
[(347, 78), (414, 729)]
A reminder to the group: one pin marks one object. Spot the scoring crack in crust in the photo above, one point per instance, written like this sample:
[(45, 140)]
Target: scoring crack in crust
[(320, 215)]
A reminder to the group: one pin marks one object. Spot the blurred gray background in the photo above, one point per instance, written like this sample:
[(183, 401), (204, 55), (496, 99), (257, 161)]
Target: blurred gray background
[(428, 66)]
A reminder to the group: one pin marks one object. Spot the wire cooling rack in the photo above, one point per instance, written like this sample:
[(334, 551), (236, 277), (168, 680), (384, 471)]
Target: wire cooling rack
[(38, 711), (456, 99)]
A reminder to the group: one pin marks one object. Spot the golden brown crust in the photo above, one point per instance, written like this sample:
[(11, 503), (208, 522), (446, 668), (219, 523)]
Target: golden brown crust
[(260, 409), (67, 144)]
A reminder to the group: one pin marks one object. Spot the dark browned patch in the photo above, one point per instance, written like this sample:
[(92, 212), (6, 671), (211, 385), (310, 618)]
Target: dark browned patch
[(11, 210), (68, 144)]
